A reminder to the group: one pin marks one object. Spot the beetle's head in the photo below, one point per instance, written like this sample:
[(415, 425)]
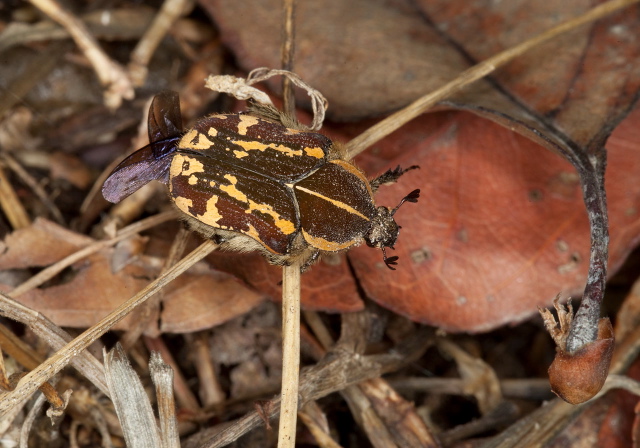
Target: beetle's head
[(384, 229)]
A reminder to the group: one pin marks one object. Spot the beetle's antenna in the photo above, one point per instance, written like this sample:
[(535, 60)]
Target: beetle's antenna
[(411, 197), (390, 260)]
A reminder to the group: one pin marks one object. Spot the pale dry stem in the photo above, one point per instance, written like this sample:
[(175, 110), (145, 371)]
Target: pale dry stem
[(290, 354), (170, 11), (111, 75), (11, 205), (287, 54)]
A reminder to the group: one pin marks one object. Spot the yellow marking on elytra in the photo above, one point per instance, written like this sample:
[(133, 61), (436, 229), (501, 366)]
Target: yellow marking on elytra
[(355, 171), (285, 226), (213, 132), (231, 189), (212, 183), (195, 140), (183, 204), (240, 154), (245, 122), (338, 204), (258, 146), (183, 165), (211, 216), (316, 152), (322, 244), (193, 180), (252, 232)]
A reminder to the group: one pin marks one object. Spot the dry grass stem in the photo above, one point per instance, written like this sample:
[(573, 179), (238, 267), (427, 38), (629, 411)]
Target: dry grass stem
[(393, 122), (185, 397), (287, 54), (170, 11), (110, 73), (210, 390), (34, 185), (55, 269), (290, 354), (11, 205), (162, 377)]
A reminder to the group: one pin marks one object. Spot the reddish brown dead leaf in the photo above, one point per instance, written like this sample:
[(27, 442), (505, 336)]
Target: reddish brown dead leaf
[(366, 57), (500, 227), (40, 244), (572, 86), (91, 289), (91, 293), (327, 286), (395, 52), (196, 302)]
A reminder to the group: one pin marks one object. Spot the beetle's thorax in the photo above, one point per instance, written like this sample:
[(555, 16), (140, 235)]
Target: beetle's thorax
[(383, 231)]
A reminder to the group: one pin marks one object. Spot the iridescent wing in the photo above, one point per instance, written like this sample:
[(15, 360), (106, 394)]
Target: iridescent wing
[(151, 162)]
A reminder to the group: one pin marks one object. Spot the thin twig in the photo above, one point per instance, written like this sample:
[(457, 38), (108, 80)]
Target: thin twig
[(59, 360), (287, 54), (111, 75), (11, 205), (53, 270), (478, 71), (151, 308), (35, 186), (170, 11), (290, 354)]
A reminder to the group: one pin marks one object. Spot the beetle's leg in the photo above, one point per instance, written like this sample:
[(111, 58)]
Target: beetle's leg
[(309, 261), (390, 176)]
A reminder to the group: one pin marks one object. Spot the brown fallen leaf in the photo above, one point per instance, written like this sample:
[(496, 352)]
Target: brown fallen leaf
[(91, 288), (40, 244), (327, 286), (501, 226)]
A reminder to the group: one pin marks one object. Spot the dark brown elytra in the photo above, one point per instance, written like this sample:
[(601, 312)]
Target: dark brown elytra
[(251, 183)]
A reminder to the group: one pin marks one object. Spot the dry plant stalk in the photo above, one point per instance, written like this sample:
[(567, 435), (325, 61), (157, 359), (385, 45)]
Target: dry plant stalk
[(110, 73), (170, 11), (290, 354), (11, 205), (290, 274)]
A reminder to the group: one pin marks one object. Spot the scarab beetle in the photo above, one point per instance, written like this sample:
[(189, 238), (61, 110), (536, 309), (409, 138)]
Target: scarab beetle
[(251, 183)]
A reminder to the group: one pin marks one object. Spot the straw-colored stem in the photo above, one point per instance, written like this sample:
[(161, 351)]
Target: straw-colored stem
[(290, 355)]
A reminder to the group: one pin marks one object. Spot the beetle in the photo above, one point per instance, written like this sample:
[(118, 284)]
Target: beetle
[(251, 183)]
